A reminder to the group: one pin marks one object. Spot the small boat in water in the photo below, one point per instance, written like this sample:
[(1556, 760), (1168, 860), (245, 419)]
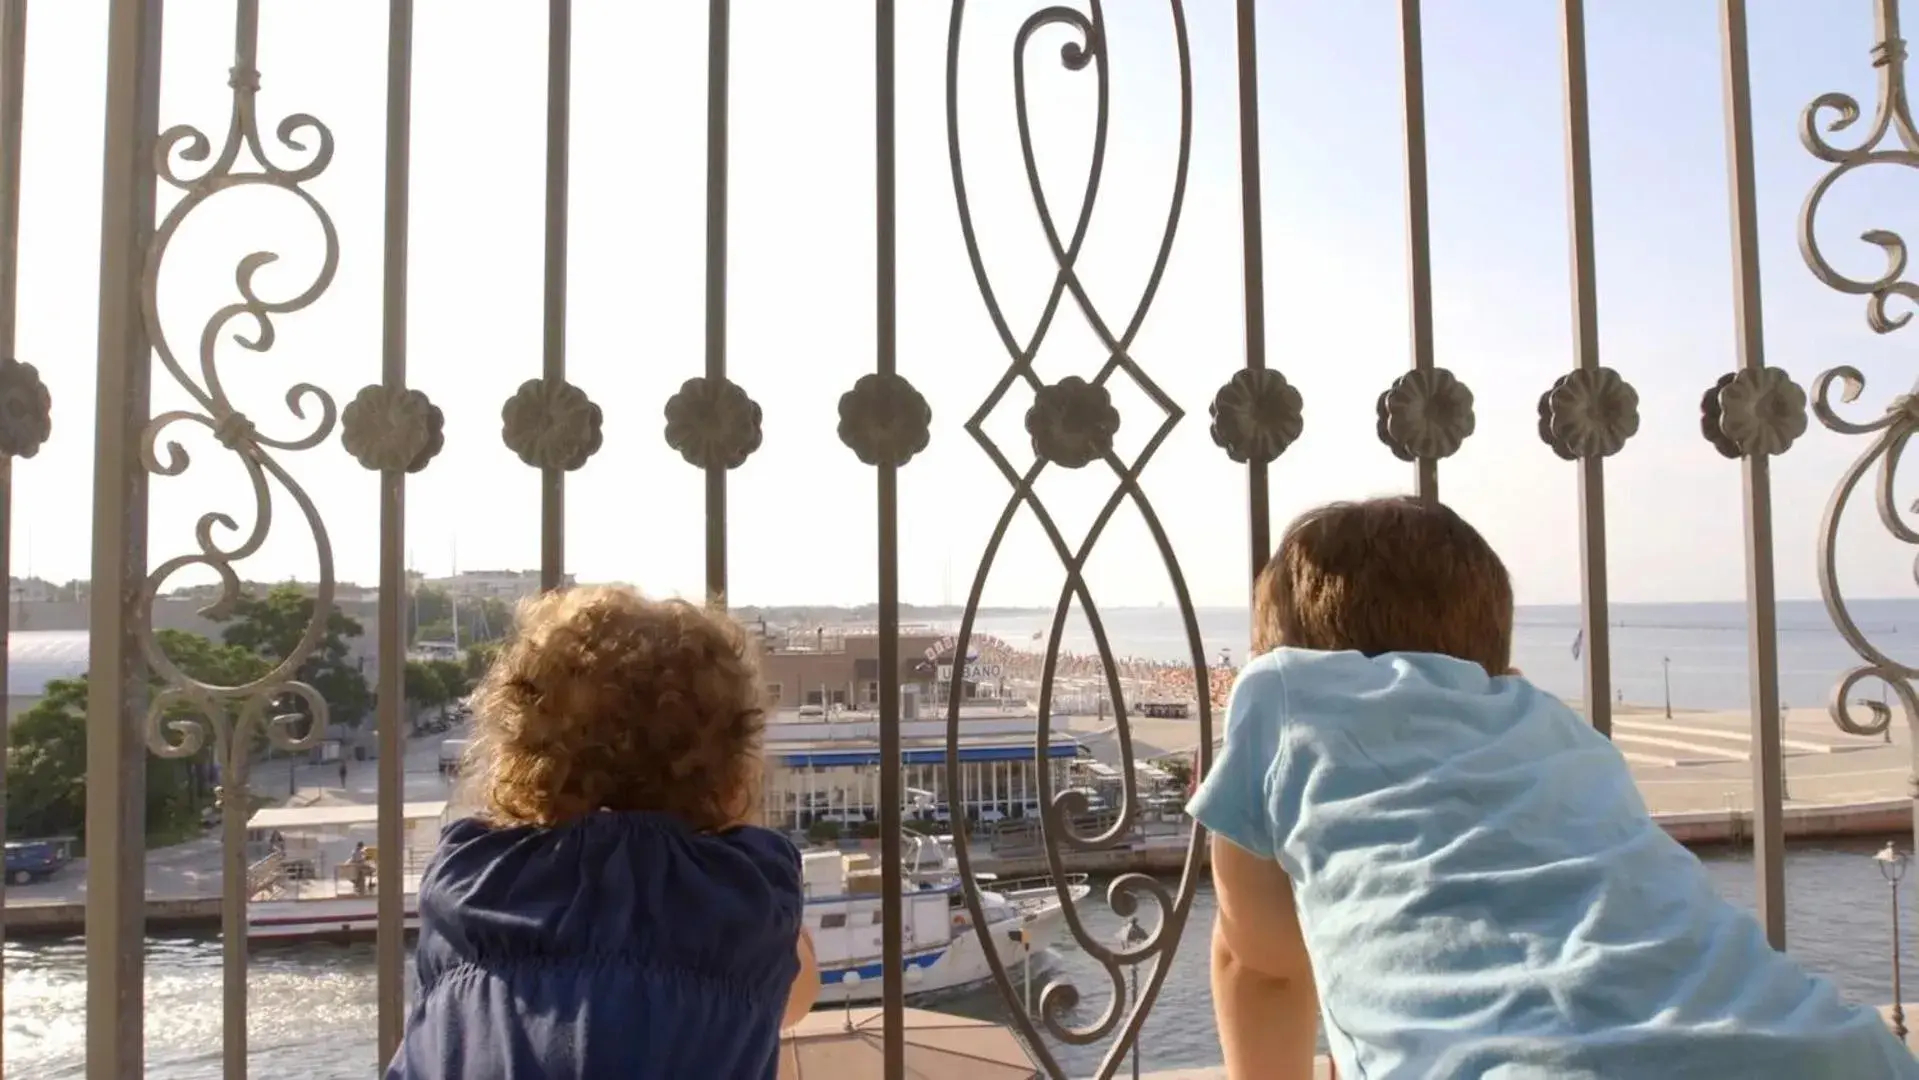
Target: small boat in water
[(313, 871), (943, 951), (313, 876)]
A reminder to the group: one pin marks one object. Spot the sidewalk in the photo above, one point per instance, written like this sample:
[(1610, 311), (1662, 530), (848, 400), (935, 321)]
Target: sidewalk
[(191, 871), (1691, 762)]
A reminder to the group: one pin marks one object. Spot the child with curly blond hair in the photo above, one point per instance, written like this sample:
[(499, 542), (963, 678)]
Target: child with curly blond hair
[(609, 910)]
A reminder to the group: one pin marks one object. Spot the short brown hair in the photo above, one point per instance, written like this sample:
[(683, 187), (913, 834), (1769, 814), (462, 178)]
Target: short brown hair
[(607, 700), (1397, 574)]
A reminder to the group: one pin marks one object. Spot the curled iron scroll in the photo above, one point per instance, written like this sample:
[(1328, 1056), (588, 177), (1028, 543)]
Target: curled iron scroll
[(1085, 49), (1891, 139), (233, 713)]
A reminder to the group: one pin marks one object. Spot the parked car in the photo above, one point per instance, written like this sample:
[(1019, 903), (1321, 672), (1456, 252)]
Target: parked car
[(29, 861)]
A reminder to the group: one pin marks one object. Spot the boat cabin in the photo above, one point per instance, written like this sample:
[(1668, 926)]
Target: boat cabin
[(304, 852), (843, 907)]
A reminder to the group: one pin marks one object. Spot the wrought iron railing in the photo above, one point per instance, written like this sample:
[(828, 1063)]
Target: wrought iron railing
[(1751, 414)]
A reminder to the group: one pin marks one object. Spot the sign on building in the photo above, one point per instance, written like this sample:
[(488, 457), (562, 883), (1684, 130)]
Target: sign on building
[(974, 672)]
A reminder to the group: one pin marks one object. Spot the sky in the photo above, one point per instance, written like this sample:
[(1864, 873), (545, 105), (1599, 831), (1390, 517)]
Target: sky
[(801, 294)]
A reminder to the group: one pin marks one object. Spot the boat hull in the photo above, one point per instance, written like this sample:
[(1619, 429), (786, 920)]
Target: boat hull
[(957, 963), (345, 919)]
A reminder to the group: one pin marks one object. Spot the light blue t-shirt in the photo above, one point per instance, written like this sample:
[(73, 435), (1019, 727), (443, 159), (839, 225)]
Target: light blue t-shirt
[(1483, 893)]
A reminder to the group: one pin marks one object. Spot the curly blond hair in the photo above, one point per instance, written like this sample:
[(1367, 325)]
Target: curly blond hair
[(604, 699)]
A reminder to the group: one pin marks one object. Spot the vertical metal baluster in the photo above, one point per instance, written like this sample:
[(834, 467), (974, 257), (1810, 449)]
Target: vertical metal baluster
[(559, 84), (886, 341), (390, 947), (1592, 469), (719, 34), (1762, 635), (237, 751), (1253, 256), (548, 422), (13, 57), (117, 668), (1418, 212)]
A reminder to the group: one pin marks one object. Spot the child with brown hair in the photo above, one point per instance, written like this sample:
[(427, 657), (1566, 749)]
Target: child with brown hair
[(1449, 868), (610, 911)]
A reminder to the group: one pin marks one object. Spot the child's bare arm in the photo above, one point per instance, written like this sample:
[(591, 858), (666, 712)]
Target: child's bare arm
[(1263, 991), (806, 985)]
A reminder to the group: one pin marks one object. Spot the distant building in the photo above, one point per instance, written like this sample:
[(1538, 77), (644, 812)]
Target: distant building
[(36, 658), (506, 585), (832, 665), (829, 769), (829, 666), (46, 622)]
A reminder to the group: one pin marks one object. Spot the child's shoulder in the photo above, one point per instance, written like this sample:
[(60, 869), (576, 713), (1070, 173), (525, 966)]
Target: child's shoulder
[(1285, 670), (1312, 673)]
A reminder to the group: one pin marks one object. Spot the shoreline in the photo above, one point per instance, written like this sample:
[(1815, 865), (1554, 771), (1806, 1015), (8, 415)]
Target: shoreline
[(1709, 830)]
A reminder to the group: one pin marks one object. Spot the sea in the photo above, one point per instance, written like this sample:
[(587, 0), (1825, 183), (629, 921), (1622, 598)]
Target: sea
[(312, 1009), (1701, 648)]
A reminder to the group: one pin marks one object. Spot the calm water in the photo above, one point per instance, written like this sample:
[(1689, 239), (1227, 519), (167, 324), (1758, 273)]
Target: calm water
[(1706, 643), (313, 1008)]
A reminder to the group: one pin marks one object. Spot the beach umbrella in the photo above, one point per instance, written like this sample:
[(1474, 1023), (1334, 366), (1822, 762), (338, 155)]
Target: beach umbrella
[(846, 1045)]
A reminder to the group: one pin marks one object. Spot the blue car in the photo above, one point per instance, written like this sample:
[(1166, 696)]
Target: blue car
[(29, 861)]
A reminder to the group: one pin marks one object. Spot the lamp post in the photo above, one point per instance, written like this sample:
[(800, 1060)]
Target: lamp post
[(1131, 935), (1892, 867), (1665, 663)]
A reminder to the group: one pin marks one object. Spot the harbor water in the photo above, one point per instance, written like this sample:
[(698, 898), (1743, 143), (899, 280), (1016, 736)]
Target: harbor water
[(1699, 649), (313, 1007)]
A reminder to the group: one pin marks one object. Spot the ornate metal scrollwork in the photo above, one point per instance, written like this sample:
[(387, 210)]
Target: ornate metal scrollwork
[(884, 420), (1753, 411), (712, 423), (1892, 118), (26, 409), (1588, 412), (1892, 140), (551, 424), (1256, 416), (234, 713), (1426, 413), (392, 429), (1072, 423)]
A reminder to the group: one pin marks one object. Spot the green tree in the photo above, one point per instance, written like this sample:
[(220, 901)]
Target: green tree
[(47, 748), (47, 763), (441, 630), (423, 686), (272, 626), (478, 659), (432, 611), (453, 678)]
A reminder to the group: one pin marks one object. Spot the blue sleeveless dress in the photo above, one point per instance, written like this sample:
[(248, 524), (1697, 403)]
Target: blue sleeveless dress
[(1483, 893), (620, 945)]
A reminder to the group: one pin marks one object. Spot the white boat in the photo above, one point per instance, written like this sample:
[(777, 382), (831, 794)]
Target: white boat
[(943, 951), (305, 882)]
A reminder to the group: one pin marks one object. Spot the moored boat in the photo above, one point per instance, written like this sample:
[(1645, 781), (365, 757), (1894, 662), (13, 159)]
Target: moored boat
[(314, 875), (943, 950)]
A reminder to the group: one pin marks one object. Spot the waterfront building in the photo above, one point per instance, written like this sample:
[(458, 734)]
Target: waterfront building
[(827, 768), (828, 667)]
